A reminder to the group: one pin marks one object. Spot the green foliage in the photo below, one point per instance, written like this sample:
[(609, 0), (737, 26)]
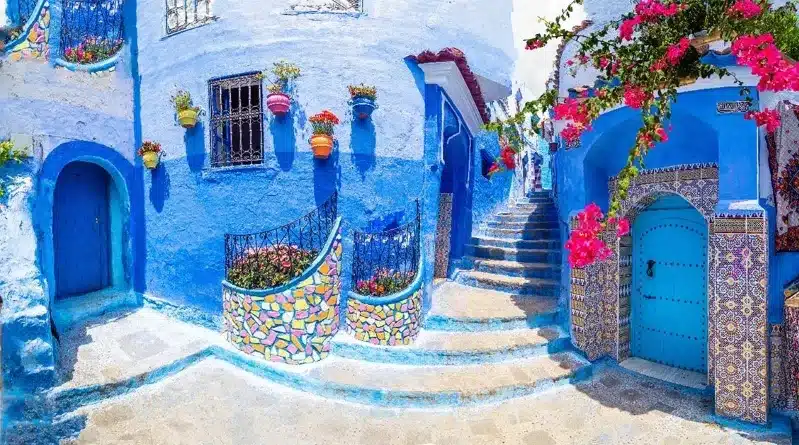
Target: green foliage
[(9, 153), (362, 90), (182, 101), (283, 74), (270, 266)]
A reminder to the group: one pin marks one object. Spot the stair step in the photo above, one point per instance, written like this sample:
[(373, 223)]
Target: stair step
[(527, 217), (425, 386), (458, 347), (522, 225), (484, 241), (542, 207), (529, 234), (457, 307), (516, 285), (515, 268), (515, 254)]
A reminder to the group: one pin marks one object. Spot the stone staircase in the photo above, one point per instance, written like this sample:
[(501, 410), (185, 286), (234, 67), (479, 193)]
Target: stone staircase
[(492, 332)]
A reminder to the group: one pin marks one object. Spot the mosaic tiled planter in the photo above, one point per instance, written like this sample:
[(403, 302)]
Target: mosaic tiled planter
[(293, 323), (389, 321)]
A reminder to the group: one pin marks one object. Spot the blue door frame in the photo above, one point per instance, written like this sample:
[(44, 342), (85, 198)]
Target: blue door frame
[(456, 178), (669, 296), (81, 229)]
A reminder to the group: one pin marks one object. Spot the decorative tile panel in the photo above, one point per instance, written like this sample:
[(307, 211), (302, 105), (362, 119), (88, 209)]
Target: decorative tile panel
[(443, 229), (35, 44)]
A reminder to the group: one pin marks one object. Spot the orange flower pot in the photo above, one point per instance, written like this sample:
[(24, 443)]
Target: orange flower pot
[(322, 145)]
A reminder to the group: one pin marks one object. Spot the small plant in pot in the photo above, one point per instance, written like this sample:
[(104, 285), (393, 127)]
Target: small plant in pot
[(283, 74), (322, 140), (150, 153), (385, 282), (184, 107), (362, 100)]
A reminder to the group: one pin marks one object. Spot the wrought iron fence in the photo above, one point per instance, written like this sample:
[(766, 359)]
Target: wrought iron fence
[(19, 11), (91, 30), (264, 259), (326, 5), (387, 261)]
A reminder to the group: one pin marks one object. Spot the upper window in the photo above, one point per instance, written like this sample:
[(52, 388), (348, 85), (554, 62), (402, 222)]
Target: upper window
[(185, 14), (236, 120), (326, 5)]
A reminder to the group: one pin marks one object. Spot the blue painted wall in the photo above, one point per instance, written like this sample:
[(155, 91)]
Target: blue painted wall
[(377, 166)]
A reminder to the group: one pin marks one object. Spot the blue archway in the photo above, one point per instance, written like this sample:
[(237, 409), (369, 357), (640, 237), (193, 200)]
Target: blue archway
[(124, 221)]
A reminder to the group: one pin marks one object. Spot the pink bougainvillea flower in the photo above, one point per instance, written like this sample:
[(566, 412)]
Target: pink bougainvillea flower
[(769, 118), (676, 52), (627, 28), (622, 227), (766, 61), (534, 44), (747, 9), (661, 133), (636, 97)]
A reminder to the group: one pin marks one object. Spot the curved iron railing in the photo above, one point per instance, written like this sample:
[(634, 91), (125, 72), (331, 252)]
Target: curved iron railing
[(91, 30), (19, 11), (390, 256), (296, 242)]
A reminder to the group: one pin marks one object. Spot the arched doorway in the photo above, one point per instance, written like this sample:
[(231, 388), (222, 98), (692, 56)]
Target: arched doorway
[(668, 306), (82, 229)]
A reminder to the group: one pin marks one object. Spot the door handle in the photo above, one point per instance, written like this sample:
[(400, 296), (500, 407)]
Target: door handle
[(650, 268)]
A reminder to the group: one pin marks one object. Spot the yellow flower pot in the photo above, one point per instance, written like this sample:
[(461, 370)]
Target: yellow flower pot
[(187, 118), (150, 159), (322, 145)]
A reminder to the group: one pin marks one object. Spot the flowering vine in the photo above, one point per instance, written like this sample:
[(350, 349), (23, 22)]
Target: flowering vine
[(642, 58)]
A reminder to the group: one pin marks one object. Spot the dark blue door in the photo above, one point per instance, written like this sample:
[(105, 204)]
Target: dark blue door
[(455, 179), (669, 296), (80, 229)]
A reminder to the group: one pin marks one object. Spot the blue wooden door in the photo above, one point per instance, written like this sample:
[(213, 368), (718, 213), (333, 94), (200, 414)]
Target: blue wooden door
[(669, 295), (80, 229)]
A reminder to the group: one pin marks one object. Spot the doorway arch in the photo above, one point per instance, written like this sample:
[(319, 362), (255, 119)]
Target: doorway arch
[(80, 179), (668, 301)]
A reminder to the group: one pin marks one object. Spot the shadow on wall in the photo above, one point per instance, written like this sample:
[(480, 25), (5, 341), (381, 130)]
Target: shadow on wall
[(326, 176), (159, 187), (284, 140), (194, 139), (363, 141)]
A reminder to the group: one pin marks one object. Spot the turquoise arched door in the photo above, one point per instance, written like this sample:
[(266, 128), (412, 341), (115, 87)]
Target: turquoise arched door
[(668, 307)]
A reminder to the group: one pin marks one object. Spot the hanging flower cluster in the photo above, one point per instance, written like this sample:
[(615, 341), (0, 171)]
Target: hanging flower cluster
[(324, 122), (584, 245), (643, 57)]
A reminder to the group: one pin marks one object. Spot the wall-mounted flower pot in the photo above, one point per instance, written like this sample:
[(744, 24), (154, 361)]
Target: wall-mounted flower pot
[(188, 118), (362, 107), (278, 103), (322, 145), (151, 159)]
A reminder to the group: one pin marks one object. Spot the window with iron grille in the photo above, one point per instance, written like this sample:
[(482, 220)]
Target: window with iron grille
[(185, 14), (236, 120), (326, 5)]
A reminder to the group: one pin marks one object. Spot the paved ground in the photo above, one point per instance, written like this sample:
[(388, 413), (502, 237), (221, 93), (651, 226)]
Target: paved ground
[(213, 402)]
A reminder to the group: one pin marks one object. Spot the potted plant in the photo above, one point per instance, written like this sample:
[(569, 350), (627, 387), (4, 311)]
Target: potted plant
[(278, 100), (150, 153), (9, 153), (322, 139), (362, 100), (184, 107)]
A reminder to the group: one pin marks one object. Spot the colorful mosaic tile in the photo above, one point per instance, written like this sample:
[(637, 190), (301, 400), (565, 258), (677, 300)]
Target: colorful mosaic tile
[(443, 229), (737, 280), (35, 44), (385, 324), (294, 326)]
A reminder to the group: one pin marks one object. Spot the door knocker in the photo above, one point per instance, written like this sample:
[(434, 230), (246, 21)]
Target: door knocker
[(650, 268)]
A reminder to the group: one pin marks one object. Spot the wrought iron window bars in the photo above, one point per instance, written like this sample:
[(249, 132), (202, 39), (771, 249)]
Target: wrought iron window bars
[(327, 5), (185, 14), (236, 120)]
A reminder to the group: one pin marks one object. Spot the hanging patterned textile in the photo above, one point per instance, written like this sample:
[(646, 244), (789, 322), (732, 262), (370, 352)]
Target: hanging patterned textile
[(783, 158)]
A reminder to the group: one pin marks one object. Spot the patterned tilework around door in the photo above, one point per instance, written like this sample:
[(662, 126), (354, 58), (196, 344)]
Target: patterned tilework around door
[(34, 46), (294, 325), (778, 389), (389, 324), (739, 315), (443, 229)]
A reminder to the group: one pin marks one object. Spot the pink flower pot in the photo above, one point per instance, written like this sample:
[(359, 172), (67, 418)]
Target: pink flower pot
[(278, 103)]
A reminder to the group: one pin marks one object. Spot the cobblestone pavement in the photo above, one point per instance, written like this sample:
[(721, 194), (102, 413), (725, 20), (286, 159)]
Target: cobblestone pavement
[(213, 402)]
